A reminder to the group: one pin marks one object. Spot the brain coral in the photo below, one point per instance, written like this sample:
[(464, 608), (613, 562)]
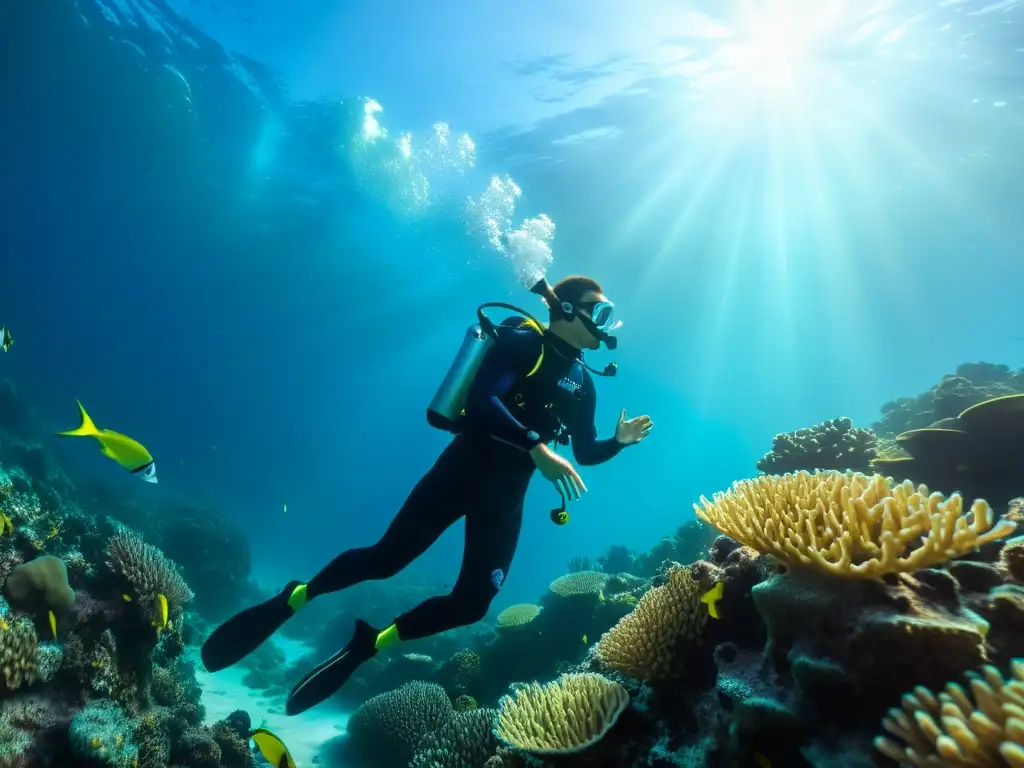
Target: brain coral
[(465, 740), (395, 722), (849, 524)]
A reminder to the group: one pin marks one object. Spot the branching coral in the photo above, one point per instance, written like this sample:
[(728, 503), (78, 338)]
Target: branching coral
[(849, 524), (19, 648), (564, 716), (643, 643), (147, 573), (465, 741), (951, 730)]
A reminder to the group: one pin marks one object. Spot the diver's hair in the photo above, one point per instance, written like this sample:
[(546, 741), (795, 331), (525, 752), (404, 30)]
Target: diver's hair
[(572, 288)]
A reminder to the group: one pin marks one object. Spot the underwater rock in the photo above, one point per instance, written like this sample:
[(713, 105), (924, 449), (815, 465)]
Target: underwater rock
[(832, 444)]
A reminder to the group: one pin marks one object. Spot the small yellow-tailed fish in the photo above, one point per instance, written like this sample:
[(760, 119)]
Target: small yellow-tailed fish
[(272, 748), (127, 598), (584, 639), (161, 602), (711, 598), (129, 453), (53, 624), (6, 340)]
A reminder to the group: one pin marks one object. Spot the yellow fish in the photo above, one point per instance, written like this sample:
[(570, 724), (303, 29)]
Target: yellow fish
[(161, 601), (129, 453), (127, 598), (6, 340), (53, 624), (6, 526), (272, 748), (711, 598), (584, 639)]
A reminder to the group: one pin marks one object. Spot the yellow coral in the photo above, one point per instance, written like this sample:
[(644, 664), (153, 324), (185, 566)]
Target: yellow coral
[(951, 731), (561, 717), (643, 643), (96, 742), (518, 615), (849, 524)]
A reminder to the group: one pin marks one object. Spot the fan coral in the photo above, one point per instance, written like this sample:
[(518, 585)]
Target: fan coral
[(465, 740), (564, 716), (518, 615), (849, 524), (147, 571), (950, 730), (643, 643), (19, 649), (579, 583), (832, 444), (396, 721)]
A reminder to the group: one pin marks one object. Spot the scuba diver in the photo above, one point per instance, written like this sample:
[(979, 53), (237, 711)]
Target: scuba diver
[(513, 388)]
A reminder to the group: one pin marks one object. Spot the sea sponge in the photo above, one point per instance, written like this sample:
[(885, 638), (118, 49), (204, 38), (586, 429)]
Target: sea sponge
[(849, 524), (952, 730), (147, 573), (44, 579), (580, 583), (643, 643), (19, 649), (467, 739), (832, 444), (393, 723), (564, 716), (518, 615)]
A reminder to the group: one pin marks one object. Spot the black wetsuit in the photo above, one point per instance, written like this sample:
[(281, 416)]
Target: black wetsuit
[(483, 475)]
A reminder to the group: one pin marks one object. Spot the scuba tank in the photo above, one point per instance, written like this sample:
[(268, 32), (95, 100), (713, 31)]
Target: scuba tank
[(445, 408)]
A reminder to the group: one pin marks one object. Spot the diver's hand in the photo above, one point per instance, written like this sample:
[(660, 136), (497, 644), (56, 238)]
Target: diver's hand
[(559, 471), (632, 431)]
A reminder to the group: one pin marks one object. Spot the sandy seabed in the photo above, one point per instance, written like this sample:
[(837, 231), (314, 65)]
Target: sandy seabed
[(305, 735)]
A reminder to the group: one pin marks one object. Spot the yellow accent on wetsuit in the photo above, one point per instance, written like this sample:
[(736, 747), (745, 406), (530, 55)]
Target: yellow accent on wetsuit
[(298, 598), (387, 638)]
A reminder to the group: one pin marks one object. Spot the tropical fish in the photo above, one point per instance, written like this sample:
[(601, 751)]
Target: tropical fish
[(6, 525), (584, 639), (127, 452), (161, 602), (53, 623), (711, 598), (127, 598), (272, 748), (6, 340)]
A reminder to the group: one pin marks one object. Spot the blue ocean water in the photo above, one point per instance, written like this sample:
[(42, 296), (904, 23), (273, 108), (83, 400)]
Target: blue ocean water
[(215, 240)]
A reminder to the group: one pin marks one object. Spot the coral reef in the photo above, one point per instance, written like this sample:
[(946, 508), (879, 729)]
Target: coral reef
[(972, 383), (832, 444)]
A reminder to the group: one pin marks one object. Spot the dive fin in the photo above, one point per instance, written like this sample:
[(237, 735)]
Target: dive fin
[(327, 678), (244, 632), (85, 429)]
